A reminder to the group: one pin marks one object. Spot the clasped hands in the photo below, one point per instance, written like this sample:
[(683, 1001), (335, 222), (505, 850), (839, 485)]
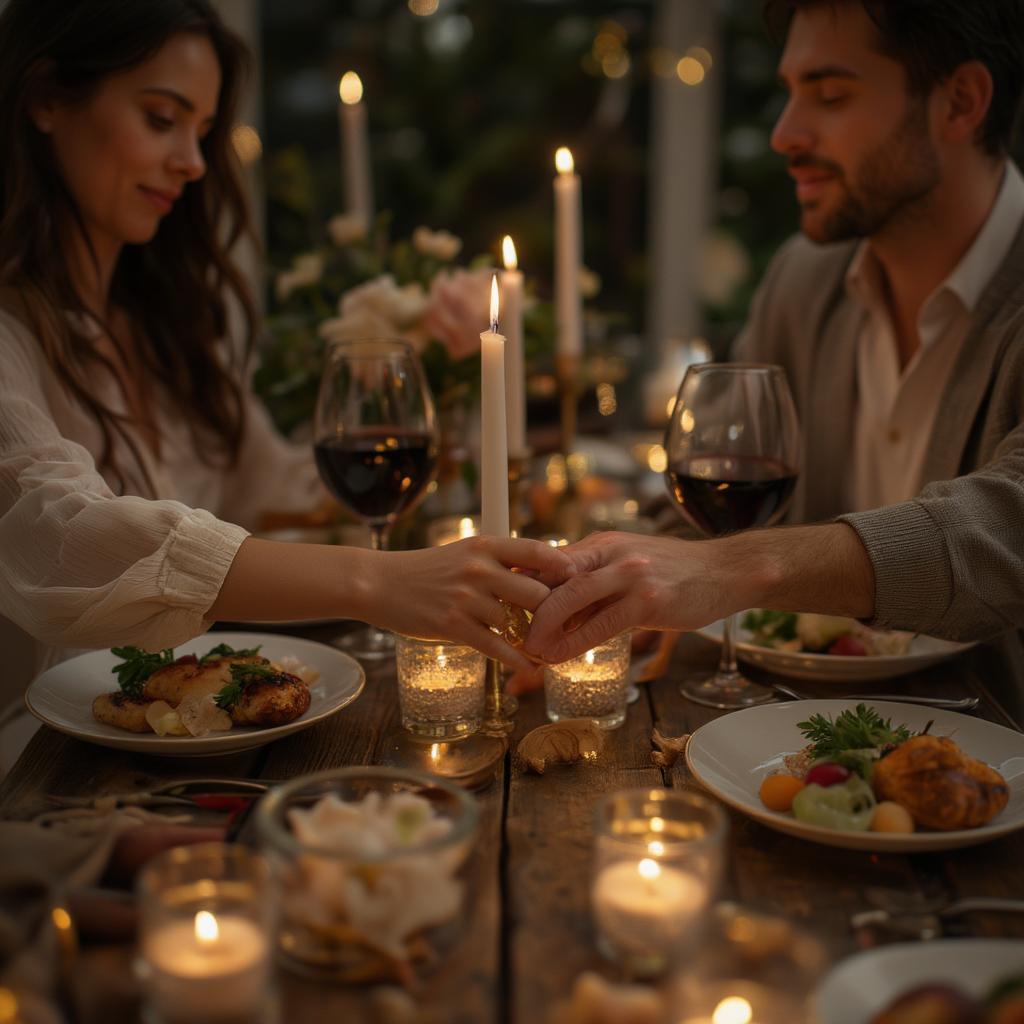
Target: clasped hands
[(580, 595)]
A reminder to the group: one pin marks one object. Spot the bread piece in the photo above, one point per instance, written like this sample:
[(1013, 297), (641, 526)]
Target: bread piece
[(121, 711)]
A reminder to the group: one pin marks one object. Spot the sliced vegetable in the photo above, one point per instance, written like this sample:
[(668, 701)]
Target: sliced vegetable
[(777, 791), (849, 646), (847, 806), (827, 773)]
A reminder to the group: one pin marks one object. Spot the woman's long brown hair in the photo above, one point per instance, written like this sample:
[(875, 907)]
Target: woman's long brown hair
[(175, 288)]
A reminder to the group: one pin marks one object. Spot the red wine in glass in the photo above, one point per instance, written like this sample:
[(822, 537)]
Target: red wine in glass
[(727, 493), (377, 473)]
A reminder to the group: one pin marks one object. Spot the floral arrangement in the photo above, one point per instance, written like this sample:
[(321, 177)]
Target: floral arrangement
[(359, 284)]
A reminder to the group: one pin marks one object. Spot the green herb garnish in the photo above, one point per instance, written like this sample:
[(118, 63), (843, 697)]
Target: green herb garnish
[(852, 730), (243, 676), (137, 667), (766, 626), (224, 651)]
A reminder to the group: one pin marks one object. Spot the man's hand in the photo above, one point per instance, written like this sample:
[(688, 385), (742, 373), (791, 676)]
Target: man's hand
[(625, 581)]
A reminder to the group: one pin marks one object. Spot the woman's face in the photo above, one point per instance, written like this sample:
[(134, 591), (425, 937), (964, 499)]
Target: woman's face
[(127, 153)]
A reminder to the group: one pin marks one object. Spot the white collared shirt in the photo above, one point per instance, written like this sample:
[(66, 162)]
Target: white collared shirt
[(896, 409)]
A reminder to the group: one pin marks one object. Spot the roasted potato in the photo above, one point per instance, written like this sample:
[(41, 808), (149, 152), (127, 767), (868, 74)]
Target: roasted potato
[(122, 711)]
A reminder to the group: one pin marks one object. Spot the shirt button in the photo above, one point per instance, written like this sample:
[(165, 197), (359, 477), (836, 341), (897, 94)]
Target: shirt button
[(894, 436)]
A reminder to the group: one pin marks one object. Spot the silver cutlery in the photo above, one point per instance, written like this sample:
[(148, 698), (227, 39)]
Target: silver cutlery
[(926, 922), (944, 703)]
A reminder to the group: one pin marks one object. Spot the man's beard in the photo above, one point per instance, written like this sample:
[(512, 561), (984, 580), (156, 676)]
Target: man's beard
[(891, 180)]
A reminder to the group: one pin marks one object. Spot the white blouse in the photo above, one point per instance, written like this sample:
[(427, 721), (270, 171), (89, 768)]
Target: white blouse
[(83, 565)]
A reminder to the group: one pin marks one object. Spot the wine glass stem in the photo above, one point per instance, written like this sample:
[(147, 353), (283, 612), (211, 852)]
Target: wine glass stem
[(379, 536), (727, 663)]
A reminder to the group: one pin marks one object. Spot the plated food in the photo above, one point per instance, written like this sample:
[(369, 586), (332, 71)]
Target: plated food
[(852, 653), (64, 695), (733, 755), (194, 695), (860, 772), (952, 981)]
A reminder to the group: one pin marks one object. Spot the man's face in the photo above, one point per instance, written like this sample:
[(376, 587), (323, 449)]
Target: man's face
[(859, 145)]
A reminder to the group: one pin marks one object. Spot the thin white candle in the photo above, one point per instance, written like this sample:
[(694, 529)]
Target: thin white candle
[(355, 149), (494, 438), (515, 370), (568, 257)]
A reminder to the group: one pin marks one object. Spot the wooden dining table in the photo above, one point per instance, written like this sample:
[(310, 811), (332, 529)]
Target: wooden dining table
[(528, 933)]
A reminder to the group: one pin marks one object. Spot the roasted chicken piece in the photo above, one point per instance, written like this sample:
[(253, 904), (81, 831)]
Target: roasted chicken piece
[(122, 711), (941, 786), (273, 701), (188, 677)]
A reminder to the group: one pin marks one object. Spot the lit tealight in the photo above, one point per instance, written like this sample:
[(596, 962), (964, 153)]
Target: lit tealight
[(732, 1010), (207, 930), (648, 868)]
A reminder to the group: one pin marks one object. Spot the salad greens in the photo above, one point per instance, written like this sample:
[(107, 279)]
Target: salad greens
[(767, 626), (138, 665)]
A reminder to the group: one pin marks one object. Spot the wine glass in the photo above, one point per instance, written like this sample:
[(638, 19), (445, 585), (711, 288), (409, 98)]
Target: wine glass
[(375, 441), (733, 448)]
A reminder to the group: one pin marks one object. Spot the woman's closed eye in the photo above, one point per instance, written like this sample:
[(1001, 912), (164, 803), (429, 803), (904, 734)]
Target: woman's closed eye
[(159, 121)]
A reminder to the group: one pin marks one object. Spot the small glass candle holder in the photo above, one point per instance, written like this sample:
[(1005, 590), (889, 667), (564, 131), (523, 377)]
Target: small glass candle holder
[(657, 868), (374, 871), (440, 688), (206, 915), (449, 529), (593, 686)]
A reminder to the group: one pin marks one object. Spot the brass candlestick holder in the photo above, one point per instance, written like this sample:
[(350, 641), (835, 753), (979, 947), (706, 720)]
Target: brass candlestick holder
[(499, 707), (567, 374)]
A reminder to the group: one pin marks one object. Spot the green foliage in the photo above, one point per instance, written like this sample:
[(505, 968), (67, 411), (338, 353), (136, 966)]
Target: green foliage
[(851, 730), (138, 665), (225, 651), (243, 676)]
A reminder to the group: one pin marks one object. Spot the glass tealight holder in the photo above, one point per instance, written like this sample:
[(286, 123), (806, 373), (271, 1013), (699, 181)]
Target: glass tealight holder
[(206, 917), (656, 872), (440, 688), (374, 871), (593, 686)]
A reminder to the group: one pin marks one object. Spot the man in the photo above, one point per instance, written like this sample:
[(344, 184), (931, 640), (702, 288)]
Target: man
[(899, 318)]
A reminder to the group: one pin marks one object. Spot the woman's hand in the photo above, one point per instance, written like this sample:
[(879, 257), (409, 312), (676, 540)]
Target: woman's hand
[(456, 592)]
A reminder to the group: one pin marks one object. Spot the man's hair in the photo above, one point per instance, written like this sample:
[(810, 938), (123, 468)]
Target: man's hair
[(931, 38)]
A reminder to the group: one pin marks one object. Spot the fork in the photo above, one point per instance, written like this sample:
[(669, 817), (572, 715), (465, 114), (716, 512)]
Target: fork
[(945, 703)]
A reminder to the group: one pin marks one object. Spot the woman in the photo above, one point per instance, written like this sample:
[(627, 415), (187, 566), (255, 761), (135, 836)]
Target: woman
[(132, 456)]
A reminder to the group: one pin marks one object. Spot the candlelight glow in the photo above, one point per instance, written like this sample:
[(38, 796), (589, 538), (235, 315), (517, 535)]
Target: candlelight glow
[(435, 751), (350, 88), (648, 868), (732, 1010), (563, 160), (656, 848), (246, 143), (508, 253), (494, 302), (206, 928), (467, 528), (657, 824), (8, 1007), (589, 657)]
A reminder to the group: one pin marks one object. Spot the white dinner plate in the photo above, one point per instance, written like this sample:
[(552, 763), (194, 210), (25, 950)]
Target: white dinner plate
[(62, 696), (862, 985), (838, 668), (732, 754)]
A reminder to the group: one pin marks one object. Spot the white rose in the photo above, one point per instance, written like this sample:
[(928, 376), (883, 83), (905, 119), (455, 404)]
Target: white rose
[(381, 296), (346, 228), (443, 245)]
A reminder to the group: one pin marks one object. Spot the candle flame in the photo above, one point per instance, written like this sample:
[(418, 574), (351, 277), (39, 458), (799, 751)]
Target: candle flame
[(206, 928), (733, 1010), (467, 528), (589, 657), (508, 253), (648, 868), (350, 88), (563, 160), (494, 303), (435, 752), (657, 824)]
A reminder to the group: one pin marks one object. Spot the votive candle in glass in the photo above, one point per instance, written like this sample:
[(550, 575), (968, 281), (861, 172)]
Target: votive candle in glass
[(657, 867), (206, 916), (440, 688), (591, 686), (449, 529)]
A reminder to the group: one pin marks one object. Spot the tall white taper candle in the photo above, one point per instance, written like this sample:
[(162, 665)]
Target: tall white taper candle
[(355, 149), (568, 257), (494, 438), (515, 368)]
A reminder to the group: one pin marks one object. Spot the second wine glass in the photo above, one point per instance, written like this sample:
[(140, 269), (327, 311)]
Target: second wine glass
[(375, 441), (733, 451)]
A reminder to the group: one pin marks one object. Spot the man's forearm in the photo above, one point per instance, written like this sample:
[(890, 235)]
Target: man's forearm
[(822, 568)]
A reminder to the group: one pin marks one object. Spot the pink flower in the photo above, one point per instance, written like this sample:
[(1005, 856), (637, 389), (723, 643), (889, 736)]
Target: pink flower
[(458, 309)]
